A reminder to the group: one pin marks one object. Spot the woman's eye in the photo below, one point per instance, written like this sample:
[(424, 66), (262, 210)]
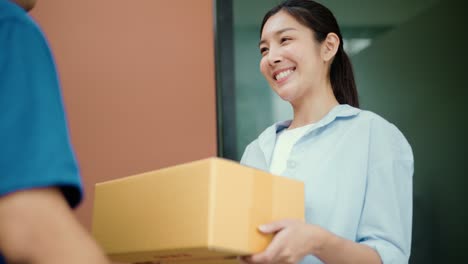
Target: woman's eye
[(284, 40), (263, 51)]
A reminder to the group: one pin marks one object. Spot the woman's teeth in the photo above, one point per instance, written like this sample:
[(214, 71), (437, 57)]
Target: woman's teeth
[(283, 74)]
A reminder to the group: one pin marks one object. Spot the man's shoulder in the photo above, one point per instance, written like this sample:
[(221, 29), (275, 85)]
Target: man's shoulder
[(14, 19), (12, 12), (19, 32)]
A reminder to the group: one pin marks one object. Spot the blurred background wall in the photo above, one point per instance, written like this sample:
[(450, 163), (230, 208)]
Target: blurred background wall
[(138, 82)]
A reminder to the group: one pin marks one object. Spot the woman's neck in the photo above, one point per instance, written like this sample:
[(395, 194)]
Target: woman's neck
[(313, 106)]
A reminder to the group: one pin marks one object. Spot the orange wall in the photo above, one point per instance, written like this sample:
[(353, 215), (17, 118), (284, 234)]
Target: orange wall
[(138, 82)]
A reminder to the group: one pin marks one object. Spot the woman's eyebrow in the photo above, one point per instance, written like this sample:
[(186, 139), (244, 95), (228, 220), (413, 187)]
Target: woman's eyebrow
[(277, 33)]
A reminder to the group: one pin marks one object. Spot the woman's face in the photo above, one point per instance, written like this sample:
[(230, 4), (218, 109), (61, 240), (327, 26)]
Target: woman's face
[(291, 61)]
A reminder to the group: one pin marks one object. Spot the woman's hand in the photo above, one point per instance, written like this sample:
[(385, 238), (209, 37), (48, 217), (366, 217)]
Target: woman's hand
[(293, 240)]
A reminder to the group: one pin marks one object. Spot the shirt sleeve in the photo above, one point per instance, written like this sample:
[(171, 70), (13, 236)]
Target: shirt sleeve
[(245, 155), (253, 157), (386, 219), (35, 148)]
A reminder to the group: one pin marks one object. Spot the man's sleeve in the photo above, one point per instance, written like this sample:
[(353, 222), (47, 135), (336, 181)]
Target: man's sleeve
[(35, 150)]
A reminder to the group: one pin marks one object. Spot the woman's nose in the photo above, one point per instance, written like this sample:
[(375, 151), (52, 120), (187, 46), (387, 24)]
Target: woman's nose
[(274, 56)]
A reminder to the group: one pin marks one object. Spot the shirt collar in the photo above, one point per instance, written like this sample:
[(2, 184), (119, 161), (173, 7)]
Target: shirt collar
[(268, 138), (342, 110)]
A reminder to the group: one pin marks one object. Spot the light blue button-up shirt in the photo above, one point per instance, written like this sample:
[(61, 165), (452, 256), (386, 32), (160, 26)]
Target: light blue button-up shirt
[(358, 172)]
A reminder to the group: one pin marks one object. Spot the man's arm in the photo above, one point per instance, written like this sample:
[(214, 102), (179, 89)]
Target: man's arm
[(37, 226)]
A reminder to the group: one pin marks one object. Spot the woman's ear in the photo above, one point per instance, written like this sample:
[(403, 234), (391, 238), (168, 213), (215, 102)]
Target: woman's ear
[(330, 46)]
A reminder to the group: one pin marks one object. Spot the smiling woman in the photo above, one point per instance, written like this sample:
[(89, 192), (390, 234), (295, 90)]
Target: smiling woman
[(292, 60), (356, 166)]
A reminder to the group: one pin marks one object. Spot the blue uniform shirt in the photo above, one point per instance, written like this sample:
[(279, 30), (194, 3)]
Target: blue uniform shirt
[(34, 145), (358, 171)]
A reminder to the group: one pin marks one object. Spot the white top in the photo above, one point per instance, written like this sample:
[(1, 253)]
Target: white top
[(284, 143)]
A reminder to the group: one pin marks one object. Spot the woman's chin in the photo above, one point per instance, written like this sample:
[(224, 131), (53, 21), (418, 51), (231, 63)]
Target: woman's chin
[(285, 96)]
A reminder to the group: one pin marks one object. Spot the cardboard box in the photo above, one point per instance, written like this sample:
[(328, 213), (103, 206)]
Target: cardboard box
[(203, 210)]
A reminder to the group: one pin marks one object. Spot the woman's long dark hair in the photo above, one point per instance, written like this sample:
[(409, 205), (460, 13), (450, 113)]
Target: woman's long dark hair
[(322, 21)]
